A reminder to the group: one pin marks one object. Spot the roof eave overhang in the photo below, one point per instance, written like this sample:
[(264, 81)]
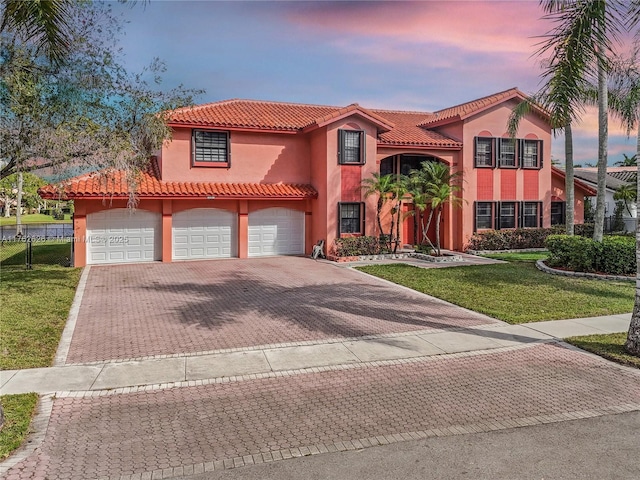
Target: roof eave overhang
[(419, 146), (179, 197), (381, 125), (231, 128)]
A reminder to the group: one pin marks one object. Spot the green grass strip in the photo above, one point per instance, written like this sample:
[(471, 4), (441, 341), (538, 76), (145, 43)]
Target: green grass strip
[(35, 306), (18, 411), (513, 292), (609, 346)]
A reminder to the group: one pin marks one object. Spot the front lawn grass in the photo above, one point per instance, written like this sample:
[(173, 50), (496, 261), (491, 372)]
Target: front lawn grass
[(518, 256), (18, 411), (609, 346), (49, 252), (513, 292), (35, 306), (34, 218)]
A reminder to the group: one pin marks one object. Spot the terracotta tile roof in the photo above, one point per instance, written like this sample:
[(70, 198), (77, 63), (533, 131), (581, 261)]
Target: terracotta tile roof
[(114, 184), (465, 110), (395, 127), (251, 114), (407, 132)]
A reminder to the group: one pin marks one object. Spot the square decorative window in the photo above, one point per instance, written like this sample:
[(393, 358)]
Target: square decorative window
[(350, 217), (210, 148), (530, 153), (484, 215), (530, 214), (558, 212), (508, 215), (483, 154), (507, 152), (351, 147)]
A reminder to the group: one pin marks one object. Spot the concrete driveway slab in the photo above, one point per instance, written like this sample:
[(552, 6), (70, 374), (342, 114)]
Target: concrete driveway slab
[(127, 374), (392, 348), (6, 375), (226, 365), (511, 335), (293, 358), (44, 380), (612, 324), (453, 342), (564, 328)]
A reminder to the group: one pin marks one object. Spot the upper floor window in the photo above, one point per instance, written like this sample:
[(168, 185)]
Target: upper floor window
[(484, 152), (531, 153), (507, 152), (210, 148), (351, 146)]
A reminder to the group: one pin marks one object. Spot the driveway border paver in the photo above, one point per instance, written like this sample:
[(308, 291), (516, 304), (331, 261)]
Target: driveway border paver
[(67, 334)]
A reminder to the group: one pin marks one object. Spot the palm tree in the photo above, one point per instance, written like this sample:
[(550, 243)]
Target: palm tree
[(45, 23), (438, 187), (628, 161), (626, 104), (580, 44), (382, 186)]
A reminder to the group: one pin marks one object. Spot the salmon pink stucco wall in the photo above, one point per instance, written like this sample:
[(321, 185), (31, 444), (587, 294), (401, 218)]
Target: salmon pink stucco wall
[(558, 194), (504, 184), (255, 158)]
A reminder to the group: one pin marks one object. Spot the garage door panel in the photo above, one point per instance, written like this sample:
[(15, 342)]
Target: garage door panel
[(204, 233), (121, 235), (276, 231)]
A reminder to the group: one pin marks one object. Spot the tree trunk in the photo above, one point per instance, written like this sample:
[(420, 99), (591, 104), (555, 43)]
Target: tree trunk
[(438, 231), (398, 214), (569, 185), (19, 206), (603, 132), (7, 206), (632, 344)]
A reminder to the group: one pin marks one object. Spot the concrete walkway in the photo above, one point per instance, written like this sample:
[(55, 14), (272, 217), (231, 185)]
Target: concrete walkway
[(192, 369)]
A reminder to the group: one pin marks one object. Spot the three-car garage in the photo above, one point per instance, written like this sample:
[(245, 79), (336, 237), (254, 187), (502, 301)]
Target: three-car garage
[(121, 235)]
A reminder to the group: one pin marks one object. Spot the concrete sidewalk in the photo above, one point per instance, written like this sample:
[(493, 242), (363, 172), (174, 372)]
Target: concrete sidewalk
[(162, 370)]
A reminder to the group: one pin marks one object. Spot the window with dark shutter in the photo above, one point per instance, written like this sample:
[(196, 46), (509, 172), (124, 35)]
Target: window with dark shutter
[(350, 217), (351, 146), (210, 148), (507, 152), (483, 154), (530, 152), (507, 215), (484, 215), (530, 214)]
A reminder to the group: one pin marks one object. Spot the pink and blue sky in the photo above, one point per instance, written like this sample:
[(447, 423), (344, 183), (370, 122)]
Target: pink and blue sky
[(422, 56)]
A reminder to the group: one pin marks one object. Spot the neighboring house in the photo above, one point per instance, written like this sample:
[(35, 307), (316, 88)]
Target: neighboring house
[(616, 177), (244, 178)]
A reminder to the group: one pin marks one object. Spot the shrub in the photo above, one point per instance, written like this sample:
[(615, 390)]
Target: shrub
[(615, 255), (518, 238), (354, 246)]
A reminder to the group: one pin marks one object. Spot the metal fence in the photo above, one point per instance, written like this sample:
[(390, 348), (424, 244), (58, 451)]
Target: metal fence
[(38, 231), (28, 252), (610, 225)]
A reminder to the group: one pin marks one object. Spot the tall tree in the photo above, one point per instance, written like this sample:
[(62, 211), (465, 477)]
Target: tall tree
[(579, 46), (381, 186), (85, 110), (625, 101)]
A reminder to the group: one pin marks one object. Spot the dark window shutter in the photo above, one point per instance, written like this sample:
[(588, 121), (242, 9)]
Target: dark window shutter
[(363, 149), (475, 217), (341, 138), (520, 153), (520, 213), (540, 214), (540, 154), (496, 219)]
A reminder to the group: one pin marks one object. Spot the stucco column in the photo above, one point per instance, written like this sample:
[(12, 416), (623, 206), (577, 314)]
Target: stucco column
[(80, 237), (167, 227), (243, 229)]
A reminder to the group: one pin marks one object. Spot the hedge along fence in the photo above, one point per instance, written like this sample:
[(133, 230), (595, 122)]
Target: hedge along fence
[(615, 255), (520, 238)]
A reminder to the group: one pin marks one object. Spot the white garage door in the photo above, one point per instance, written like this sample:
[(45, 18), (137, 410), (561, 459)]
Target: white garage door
[(276, 231), (204, 233), (123, 236)]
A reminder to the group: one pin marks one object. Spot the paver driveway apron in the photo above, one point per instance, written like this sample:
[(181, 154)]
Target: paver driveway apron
[(144, 310)]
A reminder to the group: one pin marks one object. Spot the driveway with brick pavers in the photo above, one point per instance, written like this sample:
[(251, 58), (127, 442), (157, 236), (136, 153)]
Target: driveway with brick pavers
[(134, 311), (189, 430)]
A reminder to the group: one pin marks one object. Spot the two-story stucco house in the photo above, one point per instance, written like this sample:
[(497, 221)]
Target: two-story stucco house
[(244, 178)]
